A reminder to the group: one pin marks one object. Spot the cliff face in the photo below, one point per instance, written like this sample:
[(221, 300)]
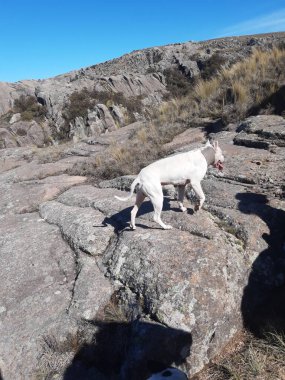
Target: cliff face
[(138, 75)]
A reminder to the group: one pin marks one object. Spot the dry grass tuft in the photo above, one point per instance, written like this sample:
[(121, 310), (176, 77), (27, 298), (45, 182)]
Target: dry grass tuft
[(144, 147), (51, 153), (257, 359), (235, 92)]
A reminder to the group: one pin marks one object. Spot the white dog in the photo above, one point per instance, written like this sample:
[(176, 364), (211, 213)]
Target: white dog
[(180, 169)]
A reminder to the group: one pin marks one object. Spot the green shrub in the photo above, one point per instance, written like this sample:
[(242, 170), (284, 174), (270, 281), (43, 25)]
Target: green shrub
[(81, 101), (211, 66), (29, 108), (151, 70), (177, 84)]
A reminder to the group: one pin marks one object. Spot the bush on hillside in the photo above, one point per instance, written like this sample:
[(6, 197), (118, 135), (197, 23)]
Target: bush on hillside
[(211, 66), (29, 108), (81, 101), (177, 84)]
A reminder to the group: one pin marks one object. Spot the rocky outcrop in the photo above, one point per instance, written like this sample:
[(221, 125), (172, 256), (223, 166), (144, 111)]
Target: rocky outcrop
[(28, 133), (263, 131), (140, 74)]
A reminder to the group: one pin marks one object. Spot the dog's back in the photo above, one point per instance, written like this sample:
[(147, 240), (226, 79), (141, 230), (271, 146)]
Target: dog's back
[(176, 169)]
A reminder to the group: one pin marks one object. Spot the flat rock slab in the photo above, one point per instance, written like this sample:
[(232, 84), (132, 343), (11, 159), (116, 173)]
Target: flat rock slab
[(188, 139), (31, 171), (116, 212), (92, 291), (118, 136), (25, 197), (37, 272), (83, 228), (270, 127)]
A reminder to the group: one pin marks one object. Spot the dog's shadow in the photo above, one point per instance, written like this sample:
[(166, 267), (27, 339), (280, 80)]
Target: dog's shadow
[(121, 220)]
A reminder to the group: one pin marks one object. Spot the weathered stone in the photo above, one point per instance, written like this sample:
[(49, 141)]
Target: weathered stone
[(169, 273), (16, 117), (105, 114), (188, 139), (37, 270), (251, 141), (25, 197), (203, 279), (113, 212), (120, 183), (261, 131), (118, 115), (7, 140), (36, 171), (82, 228), (92, 291)]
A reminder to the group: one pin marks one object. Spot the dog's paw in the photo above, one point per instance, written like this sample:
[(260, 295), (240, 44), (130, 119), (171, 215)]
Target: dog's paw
[(133, 227), (197, 207), (168, 227), (183, 209)]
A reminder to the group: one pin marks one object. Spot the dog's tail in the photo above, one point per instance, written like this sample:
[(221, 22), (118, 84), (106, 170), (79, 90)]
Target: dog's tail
[(134, 184)]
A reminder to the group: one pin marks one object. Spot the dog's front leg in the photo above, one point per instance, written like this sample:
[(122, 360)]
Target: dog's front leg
[(181, 193), (200, 195)]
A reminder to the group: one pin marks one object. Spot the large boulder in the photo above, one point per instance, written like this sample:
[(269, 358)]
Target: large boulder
[(263, 131)]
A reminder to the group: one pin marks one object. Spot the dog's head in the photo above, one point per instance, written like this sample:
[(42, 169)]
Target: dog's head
[(219, 157)]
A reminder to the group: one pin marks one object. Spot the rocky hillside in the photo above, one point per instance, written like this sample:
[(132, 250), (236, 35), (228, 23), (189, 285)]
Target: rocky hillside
[(104, 97), (84, 297)]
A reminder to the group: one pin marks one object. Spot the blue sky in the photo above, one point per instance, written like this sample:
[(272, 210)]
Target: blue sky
[(40, 39)]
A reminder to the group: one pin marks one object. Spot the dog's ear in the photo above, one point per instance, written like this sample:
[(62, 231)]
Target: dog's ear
[(215, 144), (208, 143)]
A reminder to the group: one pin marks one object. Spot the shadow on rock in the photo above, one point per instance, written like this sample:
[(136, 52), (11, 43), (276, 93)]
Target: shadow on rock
[(121, 219), (263, 302), (125, 351)]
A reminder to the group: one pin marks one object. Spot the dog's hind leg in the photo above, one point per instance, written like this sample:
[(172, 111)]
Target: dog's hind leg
[(157, 201), (181, 193), (200, 195), (139, 200)]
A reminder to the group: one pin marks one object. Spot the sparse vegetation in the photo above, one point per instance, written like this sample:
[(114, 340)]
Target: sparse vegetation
[(211, 66), (231, 96), (51, 153), (177, 84), (29, 108), (236, 92), (82, 101), (256, 358), (21, 132), (145, 146)]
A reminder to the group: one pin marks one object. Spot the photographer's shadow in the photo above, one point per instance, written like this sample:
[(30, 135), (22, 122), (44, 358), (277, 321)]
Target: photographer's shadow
[(263, 302), (129, 350)]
